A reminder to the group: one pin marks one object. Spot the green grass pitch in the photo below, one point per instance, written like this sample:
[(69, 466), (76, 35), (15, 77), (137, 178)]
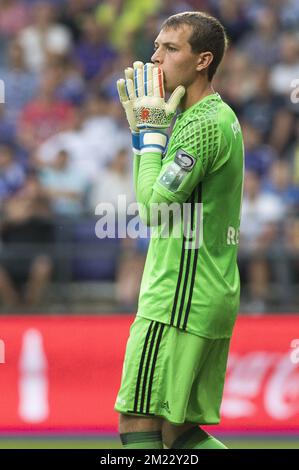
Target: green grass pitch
[(102, 443)]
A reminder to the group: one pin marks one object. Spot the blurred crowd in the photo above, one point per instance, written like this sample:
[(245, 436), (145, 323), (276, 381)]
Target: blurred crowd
[(65, 145)]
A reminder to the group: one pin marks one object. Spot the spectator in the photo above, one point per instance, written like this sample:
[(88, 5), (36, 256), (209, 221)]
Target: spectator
[(43, 36), (44, 116), (7, 129), (232, 15), (91, 139), (261, 217), (20, 83), (260, 45), (236, 81), (103, 128), (165, 8), (93, 53), (258, 156), (12, 175), (26, 265), (72, 12), (73, 141), (64, 185), (71, 87), (280, 184), (285, 71), (267, 112), (289, 14), (115, 181)]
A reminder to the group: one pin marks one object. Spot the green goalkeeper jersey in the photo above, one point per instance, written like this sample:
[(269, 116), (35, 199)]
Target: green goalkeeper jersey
[(191, 279)]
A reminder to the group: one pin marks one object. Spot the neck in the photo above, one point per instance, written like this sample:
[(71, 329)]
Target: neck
[(196, 92)]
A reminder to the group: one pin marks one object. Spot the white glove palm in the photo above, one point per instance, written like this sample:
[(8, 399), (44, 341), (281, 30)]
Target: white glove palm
[(151, 111)]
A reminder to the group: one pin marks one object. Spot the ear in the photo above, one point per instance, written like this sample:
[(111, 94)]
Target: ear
[(204, 60)]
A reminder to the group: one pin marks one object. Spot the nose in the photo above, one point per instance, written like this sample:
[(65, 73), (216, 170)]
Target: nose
[(156, 57)]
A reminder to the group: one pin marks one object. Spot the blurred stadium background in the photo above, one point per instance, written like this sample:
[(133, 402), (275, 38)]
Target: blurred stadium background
[(66, 296)]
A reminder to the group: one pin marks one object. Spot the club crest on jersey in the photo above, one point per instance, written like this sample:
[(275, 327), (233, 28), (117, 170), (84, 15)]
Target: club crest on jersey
[(184, 160)]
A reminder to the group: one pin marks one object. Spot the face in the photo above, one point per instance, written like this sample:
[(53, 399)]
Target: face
[(61, 161), (174, 55)]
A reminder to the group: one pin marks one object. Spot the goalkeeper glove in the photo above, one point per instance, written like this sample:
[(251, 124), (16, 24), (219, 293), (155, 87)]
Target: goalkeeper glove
[(152, 115), (127, 96)]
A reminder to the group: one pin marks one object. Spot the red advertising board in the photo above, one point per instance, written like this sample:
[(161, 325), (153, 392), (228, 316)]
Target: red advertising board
[(62, 373)]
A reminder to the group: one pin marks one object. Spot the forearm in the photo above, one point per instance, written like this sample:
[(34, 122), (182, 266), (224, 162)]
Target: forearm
[(136, 164), (149, 170), (149, 167)]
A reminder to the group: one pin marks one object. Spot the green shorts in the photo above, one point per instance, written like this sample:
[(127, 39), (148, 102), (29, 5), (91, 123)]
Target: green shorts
[(172, 374)]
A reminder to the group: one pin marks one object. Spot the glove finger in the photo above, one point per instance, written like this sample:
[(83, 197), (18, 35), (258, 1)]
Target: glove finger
[(129, 75), (138, 79), (148, 80), (174, 100), (158, 82), (121, 88), (130, 88)]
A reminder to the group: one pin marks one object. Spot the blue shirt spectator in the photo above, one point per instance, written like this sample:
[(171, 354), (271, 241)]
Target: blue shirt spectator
[(258, 156), (64, 185), (92, 53), (20, 84), (12, 175)]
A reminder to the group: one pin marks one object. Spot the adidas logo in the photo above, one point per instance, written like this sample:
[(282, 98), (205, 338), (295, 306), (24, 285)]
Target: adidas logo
[(165, 406)]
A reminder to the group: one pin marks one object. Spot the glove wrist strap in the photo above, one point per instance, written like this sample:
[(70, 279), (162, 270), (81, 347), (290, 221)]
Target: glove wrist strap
[(136, 142), (153, 141)]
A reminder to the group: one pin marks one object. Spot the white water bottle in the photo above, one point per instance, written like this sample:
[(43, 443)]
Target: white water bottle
[(33, 381)]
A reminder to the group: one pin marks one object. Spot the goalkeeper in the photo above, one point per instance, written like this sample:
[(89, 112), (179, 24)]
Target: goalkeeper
[(176, 356)]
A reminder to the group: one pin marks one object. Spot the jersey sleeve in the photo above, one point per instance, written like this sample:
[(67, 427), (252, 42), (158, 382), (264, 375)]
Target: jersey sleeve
[(199, 140)]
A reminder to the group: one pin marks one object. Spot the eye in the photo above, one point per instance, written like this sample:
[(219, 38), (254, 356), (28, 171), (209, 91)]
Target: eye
[(171, 49)]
